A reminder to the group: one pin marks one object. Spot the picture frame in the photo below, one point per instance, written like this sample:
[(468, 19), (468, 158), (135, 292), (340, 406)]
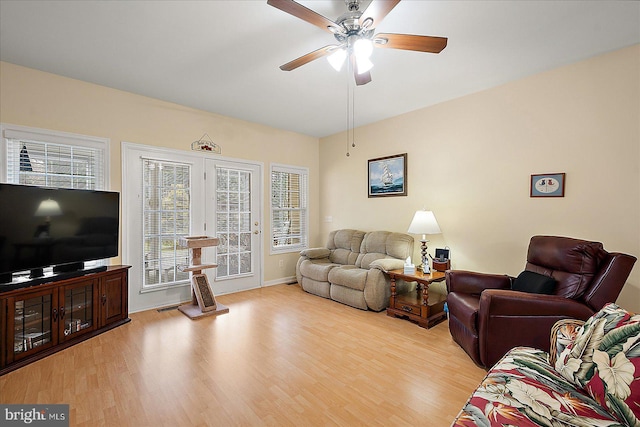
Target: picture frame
[(387, 176), (547, 185)]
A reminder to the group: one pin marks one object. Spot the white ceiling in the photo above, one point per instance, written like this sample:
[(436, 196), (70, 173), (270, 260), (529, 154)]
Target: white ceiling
[(223, 56)]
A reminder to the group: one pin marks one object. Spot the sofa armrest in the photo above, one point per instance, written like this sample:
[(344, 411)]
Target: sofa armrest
[(508, 319), (563, 333), (387, 264), (316, 253), (469, 282), (505, 303)]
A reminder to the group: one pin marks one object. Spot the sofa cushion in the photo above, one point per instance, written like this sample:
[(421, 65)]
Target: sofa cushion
[(534, 283), (346, 239), (384, 244), (318, 271), (563, 333), (523, 389), (322, 289), (349, 276), (343, 256), (348, 296), (604, 360), (344, 245)]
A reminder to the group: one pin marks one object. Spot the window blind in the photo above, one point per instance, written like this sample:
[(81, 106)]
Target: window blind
[(289, 208), (55, 164)]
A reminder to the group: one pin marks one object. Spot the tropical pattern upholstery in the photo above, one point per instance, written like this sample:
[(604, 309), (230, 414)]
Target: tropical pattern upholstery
[(591, 377), (604, 360)]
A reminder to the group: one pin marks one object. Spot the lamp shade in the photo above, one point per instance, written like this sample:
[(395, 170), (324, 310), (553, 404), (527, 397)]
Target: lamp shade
[(424, 222), (336, 59), (362, 50), (48, 207)]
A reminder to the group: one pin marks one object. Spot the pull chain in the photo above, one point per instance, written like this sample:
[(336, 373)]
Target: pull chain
[(351, 106), (349, 73), (353, 117)]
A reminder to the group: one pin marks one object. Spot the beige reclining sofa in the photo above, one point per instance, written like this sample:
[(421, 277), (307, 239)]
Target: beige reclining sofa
[(350, 269)]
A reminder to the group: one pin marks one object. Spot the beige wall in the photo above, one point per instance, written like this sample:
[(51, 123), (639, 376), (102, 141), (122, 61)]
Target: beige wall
[(32, 98), (470, 161)]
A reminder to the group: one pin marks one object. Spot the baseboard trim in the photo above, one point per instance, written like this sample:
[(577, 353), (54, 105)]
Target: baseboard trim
[(282, 281)]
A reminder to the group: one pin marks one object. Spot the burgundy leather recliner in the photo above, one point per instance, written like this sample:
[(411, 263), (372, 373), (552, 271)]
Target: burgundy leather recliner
[(487, 318)]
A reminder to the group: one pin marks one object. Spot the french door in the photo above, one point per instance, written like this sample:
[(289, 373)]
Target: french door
[(233, 215)]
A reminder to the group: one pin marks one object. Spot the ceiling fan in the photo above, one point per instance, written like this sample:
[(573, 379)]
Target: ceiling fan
[(354, 31)]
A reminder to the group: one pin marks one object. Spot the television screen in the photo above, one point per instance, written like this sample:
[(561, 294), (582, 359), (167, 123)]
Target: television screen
[(41, 227)]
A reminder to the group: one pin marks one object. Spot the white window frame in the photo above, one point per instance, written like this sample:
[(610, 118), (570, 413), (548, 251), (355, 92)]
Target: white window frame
[(10, 131), (304, 199)]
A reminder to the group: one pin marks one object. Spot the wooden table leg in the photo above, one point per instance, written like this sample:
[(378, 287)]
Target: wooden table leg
[(425, 305), (392, 299), (425, 295)]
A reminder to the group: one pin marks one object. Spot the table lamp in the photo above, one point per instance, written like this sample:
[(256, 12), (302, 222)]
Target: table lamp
[(424, 222)]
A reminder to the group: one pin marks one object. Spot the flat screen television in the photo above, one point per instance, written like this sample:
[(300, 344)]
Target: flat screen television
[(42, 227)]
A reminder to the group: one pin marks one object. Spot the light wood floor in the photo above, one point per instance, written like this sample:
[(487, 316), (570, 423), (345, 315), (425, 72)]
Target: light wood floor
[(280, 357)]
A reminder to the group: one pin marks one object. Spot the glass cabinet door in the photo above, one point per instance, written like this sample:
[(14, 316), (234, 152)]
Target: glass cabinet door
[(77, 313), (32, 324)]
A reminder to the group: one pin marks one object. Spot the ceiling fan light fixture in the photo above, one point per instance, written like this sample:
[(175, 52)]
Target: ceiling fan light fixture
[(335, 30), (367, 23), (337, 58), (363, 65), (363, 48)]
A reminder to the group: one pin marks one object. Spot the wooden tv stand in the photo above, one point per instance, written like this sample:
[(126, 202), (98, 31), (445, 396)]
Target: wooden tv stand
[(41, 320)]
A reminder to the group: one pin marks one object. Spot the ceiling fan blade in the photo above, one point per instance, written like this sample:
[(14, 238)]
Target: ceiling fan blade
[(304, 59), (299, 11), (376, 11), (410, 42)]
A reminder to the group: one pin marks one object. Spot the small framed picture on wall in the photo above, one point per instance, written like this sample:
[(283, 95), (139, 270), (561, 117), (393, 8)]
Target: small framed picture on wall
[(547, 185)]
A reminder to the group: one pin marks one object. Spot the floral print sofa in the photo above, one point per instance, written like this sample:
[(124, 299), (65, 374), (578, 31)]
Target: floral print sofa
[(591, 377)]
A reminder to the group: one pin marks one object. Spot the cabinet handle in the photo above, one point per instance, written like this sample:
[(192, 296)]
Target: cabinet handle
[(55, 314), (407, 308), (104, 299), (62, 313)]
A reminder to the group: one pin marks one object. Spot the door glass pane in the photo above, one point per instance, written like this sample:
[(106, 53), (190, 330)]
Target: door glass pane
[(78, 309), (32, 323), (167, 218), (233, 222)]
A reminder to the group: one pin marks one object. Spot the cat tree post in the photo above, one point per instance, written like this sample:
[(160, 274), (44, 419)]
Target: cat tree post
[(203, 302)]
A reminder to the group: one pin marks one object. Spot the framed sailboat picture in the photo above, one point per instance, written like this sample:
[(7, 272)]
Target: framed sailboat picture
[(388, 176)]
